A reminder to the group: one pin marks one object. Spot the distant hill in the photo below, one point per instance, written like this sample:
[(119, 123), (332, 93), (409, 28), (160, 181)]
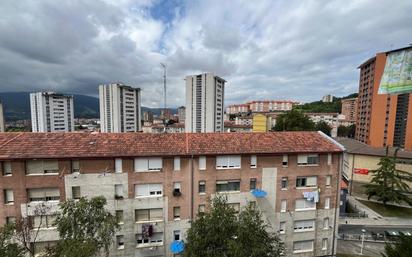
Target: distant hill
[(319, 106), (17, 106)]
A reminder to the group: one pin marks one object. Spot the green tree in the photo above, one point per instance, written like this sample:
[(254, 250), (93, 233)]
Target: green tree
[(402, 247), (388, 183), (220, 232), (294, 120), (346, 131), (7, 247), (324, 127), (85, 228)]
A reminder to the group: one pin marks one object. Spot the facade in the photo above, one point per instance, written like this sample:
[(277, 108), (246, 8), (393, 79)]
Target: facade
[(360, 158), (148, 116), (181, 114), (238, 109), (204, 103), (2, 122), (327, 98), (260, 123), (382, 120), (270, 106), (231, 126), (160, 128), (160, 182), (120, 109), (350, 109), (51, 112)]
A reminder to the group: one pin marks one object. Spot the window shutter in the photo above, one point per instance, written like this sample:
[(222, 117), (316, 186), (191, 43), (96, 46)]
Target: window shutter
[(75, 165), (300, 204), (141, 164), (302, 159), (118, 190), (311, 181), (234, 161), (51, 165), (176, 163), (7, 167), (9, 195), (156, 214), (329, 158), (36, 193), (141, 190), (221, 161), (155, 163), (118, 165), (253, 161), (34, 167), (52, 192), (156, 187), (202, 163)]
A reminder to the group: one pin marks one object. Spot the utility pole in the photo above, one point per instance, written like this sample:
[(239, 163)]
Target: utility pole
[(164, 95)]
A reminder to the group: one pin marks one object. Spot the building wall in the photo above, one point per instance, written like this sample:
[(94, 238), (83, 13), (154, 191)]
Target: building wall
[(2, 123), (350, 108)]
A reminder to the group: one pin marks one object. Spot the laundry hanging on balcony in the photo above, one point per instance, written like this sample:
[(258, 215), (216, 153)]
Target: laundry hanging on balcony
[(312, 196), (177, 246), (259, 193)]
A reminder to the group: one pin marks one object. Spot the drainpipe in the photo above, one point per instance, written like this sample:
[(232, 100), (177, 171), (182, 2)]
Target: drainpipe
[(337, 203), (191, 188)]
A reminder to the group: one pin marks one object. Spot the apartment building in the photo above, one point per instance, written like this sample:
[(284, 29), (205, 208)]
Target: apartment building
[(160, 182), (204, 103), (2, 123), (382, 119), (269, 106), (120, 109), (181, 114), (238, 109), (350, 109), (51, 112), (327, 98)]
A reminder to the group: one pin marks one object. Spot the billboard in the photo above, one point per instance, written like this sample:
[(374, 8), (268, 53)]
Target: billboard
[(397, 76)]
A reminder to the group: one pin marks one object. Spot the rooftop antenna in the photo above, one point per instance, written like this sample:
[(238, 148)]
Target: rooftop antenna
[(164, 94)]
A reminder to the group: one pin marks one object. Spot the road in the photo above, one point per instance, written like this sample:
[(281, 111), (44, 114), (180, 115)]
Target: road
[(357, 229), (370, 249)]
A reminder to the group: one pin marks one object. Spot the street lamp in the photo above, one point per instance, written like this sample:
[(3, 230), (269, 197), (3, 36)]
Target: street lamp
[(363, 239)]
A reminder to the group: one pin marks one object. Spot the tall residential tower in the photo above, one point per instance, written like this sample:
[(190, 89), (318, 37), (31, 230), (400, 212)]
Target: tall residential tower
[(119, 108), (2, 127), (204, 103), (51, 112)]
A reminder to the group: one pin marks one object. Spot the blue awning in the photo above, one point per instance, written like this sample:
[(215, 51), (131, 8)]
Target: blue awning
[(258, 193), (177, 247)]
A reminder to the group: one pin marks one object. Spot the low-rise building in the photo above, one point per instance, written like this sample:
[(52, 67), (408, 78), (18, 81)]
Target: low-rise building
[(160, 182), (231, 126)]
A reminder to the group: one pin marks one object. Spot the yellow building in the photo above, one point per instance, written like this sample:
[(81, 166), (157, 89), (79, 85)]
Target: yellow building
[(260, 123)]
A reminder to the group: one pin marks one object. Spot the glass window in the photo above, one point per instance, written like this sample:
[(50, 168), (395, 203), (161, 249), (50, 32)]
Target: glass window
[(284, 183), (282, 227), (120, 241), (176, 163), (202, 163), (304, 225), (327, 203), (283, 206), (119, 217), (228, 162), (303, 246), (328, 180), (118, 165), (253, 161), (202, 186), (285, 160), (201, 208), (145, 190), (6, 166), (76, 192), (176, 212), (227, 186), (252, 183), (8, 196), (326, 223), (306, 181), (303, 204)]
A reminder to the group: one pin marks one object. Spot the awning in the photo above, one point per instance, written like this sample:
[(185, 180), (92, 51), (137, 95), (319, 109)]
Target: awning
[(177, 247), (258, 193)]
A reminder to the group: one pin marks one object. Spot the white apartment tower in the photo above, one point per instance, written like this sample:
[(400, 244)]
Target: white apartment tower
[(204, 103), (2, 127), (51, 112), (119, 108)]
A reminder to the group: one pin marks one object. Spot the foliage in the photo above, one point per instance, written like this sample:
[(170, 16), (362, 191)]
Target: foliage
[(294, 120), (85, 228), (346, 131), (7, 247), (388, 183), (401, 248), (320, 106), (324, 127), (220, 233)]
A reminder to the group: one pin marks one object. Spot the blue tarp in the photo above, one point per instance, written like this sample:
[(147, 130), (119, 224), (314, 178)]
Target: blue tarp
[(177, 247), (258, 193)]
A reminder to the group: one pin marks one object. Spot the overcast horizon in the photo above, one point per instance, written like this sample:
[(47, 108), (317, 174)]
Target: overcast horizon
[(292, 50)]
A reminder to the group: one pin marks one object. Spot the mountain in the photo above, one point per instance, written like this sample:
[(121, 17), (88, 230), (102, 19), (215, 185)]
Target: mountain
[(17, 106)]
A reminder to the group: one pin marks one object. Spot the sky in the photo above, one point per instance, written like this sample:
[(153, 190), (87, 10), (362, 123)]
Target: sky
[(275, 49)]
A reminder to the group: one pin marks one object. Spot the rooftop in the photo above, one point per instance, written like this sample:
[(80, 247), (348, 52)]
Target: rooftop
[(98, 145)]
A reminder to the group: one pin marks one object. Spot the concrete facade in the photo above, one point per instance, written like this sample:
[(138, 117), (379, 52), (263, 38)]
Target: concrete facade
[(2, 122)]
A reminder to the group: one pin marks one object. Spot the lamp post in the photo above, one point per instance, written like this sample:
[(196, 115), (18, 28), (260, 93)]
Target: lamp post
[(363, 239)]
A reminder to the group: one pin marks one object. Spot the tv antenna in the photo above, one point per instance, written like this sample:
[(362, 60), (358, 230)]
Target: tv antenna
[(164, 93)]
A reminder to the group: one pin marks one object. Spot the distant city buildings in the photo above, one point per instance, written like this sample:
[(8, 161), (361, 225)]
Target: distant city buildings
[(181, 114), (204, 103), (51, 112), (120, 109), (327, 98), (166, 114), (350, 108), (382, 119), (2, 122), (261, 106), (148, 116)]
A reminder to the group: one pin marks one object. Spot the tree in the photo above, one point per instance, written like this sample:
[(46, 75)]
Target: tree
[(220, 232), (294, 120), (85, 228), (346, 131), (388, 183), (324, 127), (402, 247), (8, 248)]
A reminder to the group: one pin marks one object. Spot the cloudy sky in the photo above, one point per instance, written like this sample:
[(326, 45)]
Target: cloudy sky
[(271, 49)]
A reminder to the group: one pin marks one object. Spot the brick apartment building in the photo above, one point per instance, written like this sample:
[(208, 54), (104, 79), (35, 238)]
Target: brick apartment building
[(163, 181), (382, 120), (350, 109)]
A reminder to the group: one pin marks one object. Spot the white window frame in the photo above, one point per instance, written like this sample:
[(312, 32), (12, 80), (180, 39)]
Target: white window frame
[(6, 169), (148, 164), (303, 159), (328, 180), (327, 203), (303, 226), (305, 205), (282, 227), (285, 160), (253, 161), (224, 162), (325, 244), (176, 163), (120, 247), (329, 159), (8, 196), (304, 250), (43, 169), (202, 162), (308, 179), (118, 190), (118, 165), (283, 205), (150, 190), (326, 223)]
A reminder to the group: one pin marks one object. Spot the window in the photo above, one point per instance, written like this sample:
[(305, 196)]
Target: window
[(118, 191), (326, 223), (202, 163), (45, 221), (144, 190), (41, 167), (329, 159), (284, 183), (202, 187), (118, 165), (252, 183), (120, 241), (156, 237), (176, 235), (76, 192), (306, 181), (43, 194), (227, 186), (10, 220), (285, 160), (119, 217), (283, 206), (308, 159), (235, 206), (148, 164), (201, 208), (282, 227), (75, 166), (253, 161), (176, 213), (327, 203), (176, 164), (149, 215), (6, 167), (324, 244), (303, 204), (228, 162), (304, 225), (328, 180), (303, 246), (8, 196)]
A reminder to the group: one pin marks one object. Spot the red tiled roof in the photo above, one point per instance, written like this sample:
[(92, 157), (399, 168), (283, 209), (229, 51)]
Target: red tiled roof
[(78, 145)]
